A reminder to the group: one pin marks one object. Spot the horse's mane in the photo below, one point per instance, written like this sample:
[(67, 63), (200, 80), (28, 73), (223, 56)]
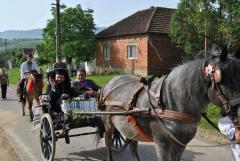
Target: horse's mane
[(188, 73), (185, 82), (231, 69)]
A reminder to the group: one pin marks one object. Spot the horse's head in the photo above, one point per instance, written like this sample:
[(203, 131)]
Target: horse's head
[(37, 80), (222, 74)]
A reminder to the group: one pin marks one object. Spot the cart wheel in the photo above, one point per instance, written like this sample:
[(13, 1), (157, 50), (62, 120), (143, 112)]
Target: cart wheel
[(119, 142), (47, 138)]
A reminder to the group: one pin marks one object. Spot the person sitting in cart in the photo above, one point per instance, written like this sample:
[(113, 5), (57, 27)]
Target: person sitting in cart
[(60, 88), (85, 87)]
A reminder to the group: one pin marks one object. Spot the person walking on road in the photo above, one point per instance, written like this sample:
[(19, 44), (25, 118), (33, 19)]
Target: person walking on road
[(4, 83)]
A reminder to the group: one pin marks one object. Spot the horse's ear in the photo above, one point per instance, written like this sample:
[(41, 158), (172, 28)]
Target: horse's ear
[(237, 53), (224, 54)]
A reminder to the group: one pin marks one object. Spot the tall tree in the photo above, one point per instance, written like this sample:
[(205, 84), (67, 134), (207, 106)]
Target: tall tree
[(218, 19), (77, 35)]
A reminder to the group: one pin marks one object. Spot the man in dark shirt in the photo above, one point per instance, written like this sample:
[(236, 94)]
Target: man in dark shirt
[(59, 64), (84, 86), (60, 88)]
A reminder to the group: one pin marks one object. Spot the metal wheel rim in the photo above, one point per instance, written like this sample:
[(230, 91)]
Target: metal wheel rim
[(47, 138)]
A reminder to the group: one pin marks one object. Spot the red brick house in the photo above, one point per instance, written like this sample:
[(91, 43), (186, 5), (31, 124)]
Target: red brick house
[(139, 44)]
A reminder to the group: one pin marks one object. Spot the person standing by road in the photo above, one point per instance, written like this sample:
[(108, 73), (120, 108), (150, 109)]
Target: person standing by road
[(59, 64), (4, 83)]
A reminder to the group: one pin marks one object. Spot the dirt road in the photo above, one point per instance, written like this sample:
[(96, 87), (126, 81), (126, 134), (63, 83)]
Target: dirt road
[(7, 150)]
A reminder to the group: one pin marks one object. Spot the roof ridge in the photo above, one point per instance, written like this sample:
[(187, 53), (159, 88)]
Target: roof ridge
[(149, 22), (139, 11), (154, 19)]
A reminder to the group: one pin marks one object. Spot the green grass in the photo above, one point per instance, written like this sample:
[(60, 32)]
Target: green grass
[(101, 80), (14, 75), (213, 114)]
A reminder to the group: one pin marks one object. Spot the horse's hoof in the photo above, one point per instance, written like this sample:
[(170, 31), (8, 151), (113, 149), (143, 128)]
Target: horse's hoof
[(23, 114)]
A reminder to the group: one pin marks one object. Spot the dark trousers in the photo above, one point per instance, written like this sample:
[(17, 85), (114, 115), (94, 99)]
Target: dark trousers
[(4, 90), (21, 87)]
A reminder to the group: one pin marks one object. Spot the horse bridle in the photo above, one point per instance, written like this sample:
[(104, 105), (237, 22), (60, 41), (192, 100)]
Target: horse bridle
[(213, 71)]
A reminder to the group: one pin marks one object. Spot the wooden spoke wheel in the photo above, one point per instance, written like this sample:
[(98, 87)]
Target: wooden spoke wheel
[(47, 138), (119, 142)]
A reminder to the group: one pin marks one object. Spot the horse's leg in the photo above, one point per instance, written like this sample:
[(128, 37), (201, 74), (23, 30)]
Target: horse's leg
[(167, 149), (23, 107), (30, 103), (109, 128), (133, 149)]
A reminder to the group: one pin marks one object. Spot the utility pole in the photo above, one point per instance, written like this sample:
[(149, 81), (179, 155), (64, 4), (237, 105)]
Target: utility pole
[(5, 44), (58, 31), (205, 34)]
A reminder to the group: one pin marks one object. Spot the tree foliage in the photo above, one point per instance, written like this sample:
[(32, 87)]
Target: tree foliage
[(77, 35), (219, 18)]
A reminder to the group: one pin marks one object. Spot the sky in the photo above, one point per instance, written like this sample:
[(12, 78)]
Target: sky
[(33, 14)]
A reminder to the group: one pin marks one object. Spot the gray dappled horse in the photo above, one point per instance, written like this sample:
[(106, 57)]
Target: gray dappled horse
[(187, 91)]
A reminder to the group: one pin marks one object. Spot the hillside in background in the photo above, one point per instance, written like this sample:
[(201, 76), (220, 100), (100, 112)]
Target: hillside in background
[(29, 34), (18, 34), (21, 43), (25, 39)]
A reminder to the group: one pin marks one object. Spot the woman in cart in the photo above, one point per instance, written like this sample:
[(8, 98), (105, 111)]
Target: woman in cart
[(85, 87)]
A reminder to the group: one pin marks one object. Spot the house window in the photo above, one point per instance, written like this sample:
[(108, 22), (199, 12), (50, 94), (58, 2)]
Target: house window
[(132, 51), (106, 52)]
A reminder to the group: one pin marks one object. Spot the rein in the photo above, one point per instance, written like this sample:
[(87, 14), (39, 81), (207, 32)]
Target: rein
[(214, 73)]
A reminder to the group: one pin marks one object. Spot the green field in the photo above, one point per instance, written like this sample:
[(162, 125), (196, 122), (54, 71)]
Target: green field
[(14, 75)]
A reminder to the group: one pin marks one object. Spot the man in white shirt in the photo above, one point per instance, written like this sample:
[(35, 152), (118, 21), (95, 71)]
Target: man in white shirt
[(226, 126), (26, 67)]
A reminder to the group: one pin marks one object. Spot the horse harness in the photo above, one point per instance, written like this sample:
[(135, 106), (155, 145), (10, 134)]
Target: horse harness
[(213, 72), (153, 111)]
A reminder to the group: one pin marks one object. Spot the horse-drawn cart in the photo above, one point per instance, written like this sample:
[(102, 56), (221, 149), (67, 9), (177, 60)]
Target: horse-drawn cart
[(76, 113)]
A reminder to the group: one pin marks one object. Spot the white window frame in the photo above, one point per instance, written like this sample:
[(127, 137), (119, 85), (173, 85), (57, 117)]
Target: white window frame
[(106, 52), (130, 51)]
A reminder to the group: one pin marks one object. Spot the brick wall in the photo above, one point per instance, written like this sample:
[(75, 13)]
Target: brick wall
[(118, 55), (148, 60), (165, 55)]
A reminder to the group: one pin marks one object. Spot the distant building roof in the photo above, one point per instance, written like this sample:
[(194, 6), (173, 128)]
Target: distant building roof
[(151, 20)]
